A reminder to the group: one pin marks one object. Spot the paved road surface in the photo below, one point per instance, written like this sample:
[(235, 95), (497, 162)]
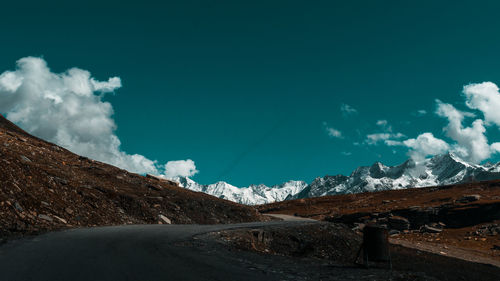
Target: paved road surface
[(290, 218), (137, 252), (160, 252)]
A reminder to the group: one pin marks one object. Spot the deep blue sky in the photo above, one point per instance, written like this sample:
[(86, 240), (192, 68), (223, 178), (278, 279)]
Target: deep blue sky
[(243, 87)]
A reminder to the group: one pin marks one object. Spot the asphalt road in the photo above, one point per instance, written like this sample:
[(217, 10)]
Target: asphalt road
[(136, 252)]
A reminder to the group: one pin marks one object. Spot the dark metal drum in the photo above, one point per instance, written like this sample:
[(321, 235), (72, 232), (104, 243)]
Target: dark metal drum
[(376, 243)]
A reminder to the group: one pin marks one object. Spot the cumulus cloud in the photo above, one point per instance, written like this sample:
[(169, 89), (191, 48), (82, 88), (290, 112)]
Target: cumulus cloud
[(469, 140), (180, 168), (425, 145), (486, 98), (496, 147), (347, 110), (67, 109), (472, 143)]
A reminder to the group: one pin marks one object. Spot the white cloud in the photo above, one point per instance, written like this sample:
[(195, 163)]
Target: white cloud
[(393, 142), (346, 153), (486, 98), (180, 168), (387, 138), (63, 108), (425, 145), (421, 112), (347, 109), (9, 81), (384, 125), (496, 147), (332, 132), (109, 86), (472, 144)]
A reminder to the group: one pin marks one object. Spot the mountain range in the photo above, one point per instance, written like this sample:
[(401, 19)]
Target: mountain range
[(439, 170)]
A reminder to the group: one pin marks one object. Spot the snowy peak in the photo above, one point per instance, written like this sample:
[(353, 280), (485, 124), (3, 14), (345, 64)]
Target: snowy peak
[(440, 170), (251, 195)]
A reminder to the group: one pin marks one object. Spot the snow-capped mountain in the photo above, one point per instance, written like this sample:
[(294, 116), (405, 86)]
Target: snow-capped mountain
[(439, 170), (251, 195)]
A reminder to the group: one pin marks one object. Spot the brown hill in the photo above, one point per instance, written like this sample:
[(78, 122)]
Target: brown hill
[(45, 187), (462, 220)]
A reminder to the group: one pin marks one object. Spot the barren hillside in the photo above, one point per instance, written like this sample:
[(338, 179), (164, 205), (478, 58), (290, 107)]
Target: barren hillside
[(462, 220), (45, 187)]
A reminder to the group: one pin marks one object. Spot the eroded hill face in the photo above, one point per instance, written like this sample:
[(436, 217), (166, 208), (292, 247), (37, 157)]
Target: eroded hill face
[(45, 187)]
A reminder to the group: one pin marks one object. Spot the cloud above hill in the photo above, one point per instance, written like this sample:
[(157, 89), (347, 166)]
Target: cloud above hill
[(68, 109), (180, 168), (424, 145), (469, 142)]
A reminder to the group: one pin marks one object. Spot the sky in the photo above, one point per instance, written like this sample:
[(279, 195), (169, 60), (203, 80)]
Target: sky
[(254, 92)]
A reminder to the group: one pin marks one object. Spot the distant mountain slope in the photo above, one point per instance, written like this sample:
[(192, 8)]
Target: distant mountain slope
[(252, 195), (439, 170), (45, 187)]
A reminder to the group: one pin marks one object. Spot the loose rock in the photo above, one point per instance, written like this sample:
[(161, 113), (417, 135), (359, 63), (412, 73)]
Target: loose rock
[(45, 217), (469, 198), (164, 220)]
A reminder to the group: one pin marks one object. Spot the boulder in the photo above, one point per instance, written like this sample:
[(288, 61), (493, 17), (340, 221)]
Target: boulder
[(394, 232), (430, 229), (399, 223), (469, 198)]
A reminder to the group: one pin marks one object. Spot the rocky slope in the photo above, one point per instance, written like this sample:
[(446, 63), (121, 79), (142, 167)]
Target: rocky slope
[(461, 220), (45, 187), (439, 170)]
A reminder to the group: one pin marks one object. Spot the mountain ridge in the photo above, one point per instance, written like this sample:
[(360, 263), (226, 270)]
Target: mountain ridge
[(439, 170)]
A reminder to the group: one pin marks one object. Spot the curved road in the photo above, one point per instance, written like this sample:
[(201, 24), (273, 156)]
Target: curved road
[(136, 252)]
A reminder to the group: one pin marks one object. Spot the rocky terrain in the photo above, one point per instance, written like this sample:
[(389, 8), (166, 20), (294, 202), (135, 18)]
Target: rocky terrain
[(45, 187), (457, 220), (440, 170), (335, 247)]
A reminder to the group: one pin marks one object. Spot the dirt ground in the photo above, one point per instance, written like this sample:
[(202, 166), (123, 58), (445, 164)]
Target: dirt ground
[(338, 244), (470, 230)]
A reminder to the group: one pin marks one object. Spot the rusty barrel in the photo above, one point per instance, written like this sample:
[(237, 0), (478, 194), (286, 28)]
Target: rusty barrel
[(376, 243)]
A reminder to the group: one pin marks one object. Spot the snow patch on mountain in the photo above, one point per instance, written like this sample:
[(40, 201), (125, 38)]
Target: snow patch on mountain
[(251, 195), (440, 170)]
